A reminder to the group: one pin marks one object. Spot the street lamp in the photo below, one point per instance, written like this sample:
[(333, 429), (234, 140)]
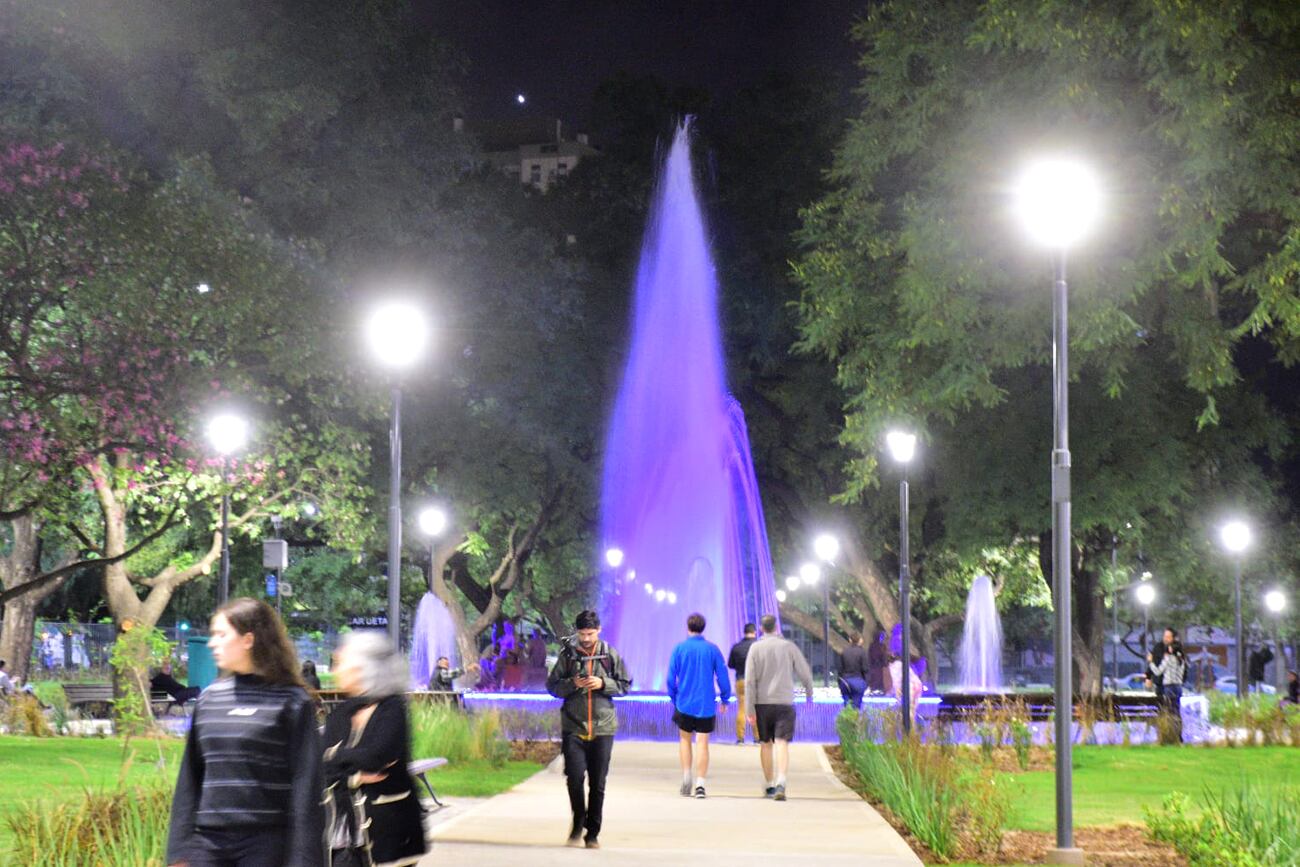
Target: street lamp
[(1235, 536), (1275, 601), (227, 433), (1146, 594), (1057, 201), (792, 583), (614, 557), (902, 447), (810, 575), (397, 333), (432, 521)]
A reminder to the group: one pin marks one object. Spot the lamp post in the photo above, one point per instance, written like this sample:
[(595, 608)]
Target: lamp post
[(1057, 201), (1235, 536), (227, 433), (827, 548), (811, 575), (432, 521), (1146, 594), (397, 333), (902, 447), (1275, 601)]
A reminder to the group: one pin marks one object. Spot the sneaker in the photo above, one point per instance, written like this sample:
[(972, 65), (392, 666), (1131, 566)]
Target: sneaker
[(769, 792), (592, 843), (686, 790), (779, 794), (699, 792)]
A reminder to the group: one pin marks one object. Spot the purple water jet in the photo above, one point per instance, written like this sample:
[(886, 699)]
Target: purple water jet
[(679, 496), (433, 635), (980, 660)]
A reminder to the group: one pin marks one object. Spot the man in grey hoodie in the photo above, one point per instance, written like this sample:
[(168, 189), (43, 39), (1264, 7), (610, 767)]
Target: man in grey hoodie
[(770, 670)]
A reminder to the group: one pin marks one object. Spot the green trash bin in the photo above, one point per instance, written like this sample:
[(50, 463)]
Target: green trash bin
[(203, 669)]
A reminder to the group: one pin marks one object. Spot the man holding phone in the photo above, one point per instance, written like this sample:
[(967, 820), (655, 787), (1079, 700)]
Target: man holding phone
[(587, 676)]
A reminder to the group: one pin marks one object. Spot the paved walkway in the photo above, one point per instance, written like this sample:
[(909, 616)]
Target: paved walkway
[(648, 823)]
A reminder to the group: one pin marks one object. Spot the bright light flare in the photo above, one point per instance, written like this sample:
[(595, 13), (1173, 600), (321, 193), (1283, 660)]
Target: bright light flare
[(433, 521), (1235, 536), (614, 557), (826, 547), (1057, 201), (227, 432), (902, 445), (1146, 594), (397, 332)]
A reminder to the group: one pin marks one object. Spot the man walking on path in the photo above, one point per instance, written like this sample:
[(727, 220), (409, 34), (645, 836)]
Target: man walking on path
[(587, 676), (736, 662), (770, 669), (853, 672), (696, 664)]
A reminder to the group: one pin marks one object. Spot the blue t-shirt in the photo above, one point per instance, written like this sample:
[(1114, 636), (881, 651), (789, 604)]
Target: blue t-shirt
[(695, 665)]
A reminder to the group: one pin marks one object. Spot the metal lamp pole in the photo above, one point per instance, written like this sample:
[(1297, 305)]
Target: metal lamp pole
[(395, 521), (1241, 647), (905, 597), (826, 631), (223, 588)]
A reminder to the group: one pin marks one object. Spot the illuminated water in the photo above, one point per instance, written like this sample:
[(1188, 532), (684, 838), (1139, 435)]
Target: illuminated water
[(432, 636), (679, 497), (979, 661)]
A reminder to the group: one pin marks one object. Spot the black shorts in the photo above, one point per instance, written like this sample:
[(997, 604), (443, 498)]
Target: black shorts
[(774, 722), (698, 724)]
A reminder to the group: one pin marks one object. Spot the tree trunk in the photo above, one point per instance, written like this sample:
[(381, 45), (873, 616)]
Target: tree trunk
[(1088, 621), (21, 564)]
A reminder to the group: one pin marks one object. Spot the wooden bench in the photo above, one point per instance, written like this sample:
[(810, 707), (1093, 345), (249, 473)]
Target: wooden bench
[(419, 768), (85, 694)]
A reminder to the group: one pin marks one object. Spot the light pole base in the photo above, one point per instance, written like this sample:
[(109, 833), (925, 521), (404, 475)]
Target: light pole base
[(1064, 856)]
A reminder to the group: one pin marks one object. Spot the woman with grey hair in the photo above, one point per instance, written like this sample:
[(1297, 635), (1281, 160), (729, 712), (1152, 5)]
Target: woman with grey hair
[(374, 815)]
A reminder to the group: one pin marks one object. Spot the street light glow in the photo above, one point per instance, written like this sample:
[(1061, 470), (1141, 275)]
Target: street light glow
[(826, 547), (397, 332), (810, 573), (1235, 536), (227, 432), (792, 583), (660, 595), (649, 588), (614, 557), (780, 596), (433, 521), (902, 446), (672, 598), (1057, 201), (1146, 594), (1275, 600)]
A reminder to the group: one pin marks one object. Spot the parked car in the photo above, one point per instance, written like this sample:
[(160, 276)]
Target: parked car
[(1134, 682), (1228, 685)]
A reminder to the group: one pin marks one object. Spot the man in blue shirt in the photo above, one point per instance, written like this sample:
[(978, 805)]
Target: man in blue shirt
[(695, 667)]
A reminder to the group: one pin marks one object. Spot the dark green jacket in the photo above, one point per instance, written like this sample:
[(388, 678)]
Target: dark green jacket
[(605, 664)]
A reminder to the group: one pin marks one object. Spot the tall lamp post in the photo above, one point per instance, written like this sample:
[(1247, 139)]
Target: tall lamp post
[(827, 548), (432, 521), (1058, 201), (1235, 536), (902, 447), (1146, 594), (397, 333), (1275, 601), (227, 433), (811, 575)]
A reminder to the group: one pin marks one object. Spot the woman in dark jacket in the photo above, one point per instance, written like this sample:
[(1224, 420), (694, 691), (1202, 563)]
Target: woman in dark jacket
[(373, 814)]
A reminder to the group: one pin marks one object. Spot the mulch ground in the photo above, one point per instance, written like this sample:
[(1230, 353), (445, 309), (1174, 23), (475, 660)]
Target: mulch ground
[(1114, 846), (542, 752)]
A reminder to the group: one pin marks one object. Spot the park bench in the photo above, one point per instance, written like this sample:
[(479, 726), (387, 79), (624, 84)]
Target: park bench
[(89, 695), (418, 770)]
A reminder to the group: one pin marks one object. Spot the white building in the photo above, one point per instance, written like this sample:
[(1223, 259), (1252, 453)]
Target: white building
[(533, 150)]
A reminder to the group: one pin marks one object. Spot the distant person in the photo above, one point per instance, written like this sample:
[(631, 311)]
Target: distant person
[(309, 675), (536, 675), (249, 788), (854, 671), (736, 662), (1292, 690), (373, 815), (693, 669), (877, 662), (444, 676), (164, 681), (6, 682), (770, 669), (1260, 657), (587, 676), (1172, 669), (1154, 681)]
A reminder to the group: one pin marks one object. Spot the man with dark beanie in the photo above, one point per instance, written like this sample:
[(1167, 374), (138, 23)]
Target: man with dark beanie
[(587, 676)]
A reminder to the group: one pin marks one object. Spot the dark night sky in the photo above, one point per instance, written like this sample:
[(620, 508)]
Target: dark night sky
[(558, 51)]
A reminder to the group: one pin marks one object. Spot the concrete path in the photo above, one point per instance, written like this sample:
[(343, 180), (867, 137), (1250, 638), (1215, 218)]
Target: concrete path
[(648, 823)]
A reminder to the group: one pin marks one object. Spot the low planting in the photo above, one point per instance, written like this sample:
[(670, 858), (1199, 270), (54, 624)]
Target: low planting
[(956, 808), (121, 827), (1258, 719), (442, 730), (1246, 825)]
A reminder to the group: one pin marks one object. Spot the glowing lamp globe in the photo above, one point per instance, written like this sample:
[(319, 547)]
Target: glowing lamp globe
[(826, 547), (902, 446), (614, 557), (397, 333), (780, 596), (1275, 601), (432, 521), (227, 432), (1235, 536), (792, 583), (1146, 594), (1057, 201), (809, 573)]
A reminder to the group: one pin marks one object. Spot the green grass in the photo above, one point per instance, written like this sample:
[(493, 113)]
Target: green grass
[(1112, 784), (479, 779)]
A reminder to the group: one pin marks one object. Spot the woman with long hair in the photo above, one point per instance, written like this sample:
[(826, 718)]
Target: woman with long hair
[(249, 789), (373, 814)]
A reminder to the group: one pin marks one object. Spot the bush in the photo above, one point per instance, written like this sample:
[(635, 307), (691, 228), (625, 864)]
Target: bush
[(22, 715), (1240, 827), (441, 730), (1259, 715), (118, 828), (952, 808)]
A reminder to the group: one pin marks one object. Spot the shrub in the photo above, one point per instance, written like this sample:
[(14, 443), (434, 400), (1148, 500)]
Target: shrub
[(22, 715), (1244, 826), (116, 828), (451, 733)]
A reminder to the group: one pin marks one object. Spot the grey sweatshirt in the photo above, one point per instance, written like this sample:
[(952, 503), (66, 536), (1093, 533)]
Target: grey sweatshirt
[(770, 670)]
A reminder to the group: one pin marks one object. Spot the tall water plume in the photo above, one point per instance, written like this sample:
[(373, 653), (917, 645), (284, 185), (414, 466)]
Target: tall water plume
[(979, 664), (679, 497), (433, 635)]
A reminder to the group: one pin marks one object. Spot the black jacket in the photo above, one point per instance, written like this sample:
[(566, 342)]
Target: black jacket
[(736, 659), (584, 709), (391, 807), (252, 760), (854, 663)]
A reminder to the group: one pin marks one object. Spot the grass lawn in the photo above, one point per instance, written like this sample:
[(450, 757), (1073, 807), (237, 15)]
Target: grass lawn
[(1112, 784)]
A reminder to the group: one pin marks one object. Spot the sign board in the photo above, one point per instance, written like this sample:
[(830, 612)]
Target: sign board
[(371, 621), (272, 585), (275, 554)]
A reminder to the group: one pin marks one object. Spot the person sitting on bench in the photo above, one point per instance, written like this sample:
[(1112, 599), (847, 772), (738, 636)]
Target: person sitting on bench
[(162, 681)]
